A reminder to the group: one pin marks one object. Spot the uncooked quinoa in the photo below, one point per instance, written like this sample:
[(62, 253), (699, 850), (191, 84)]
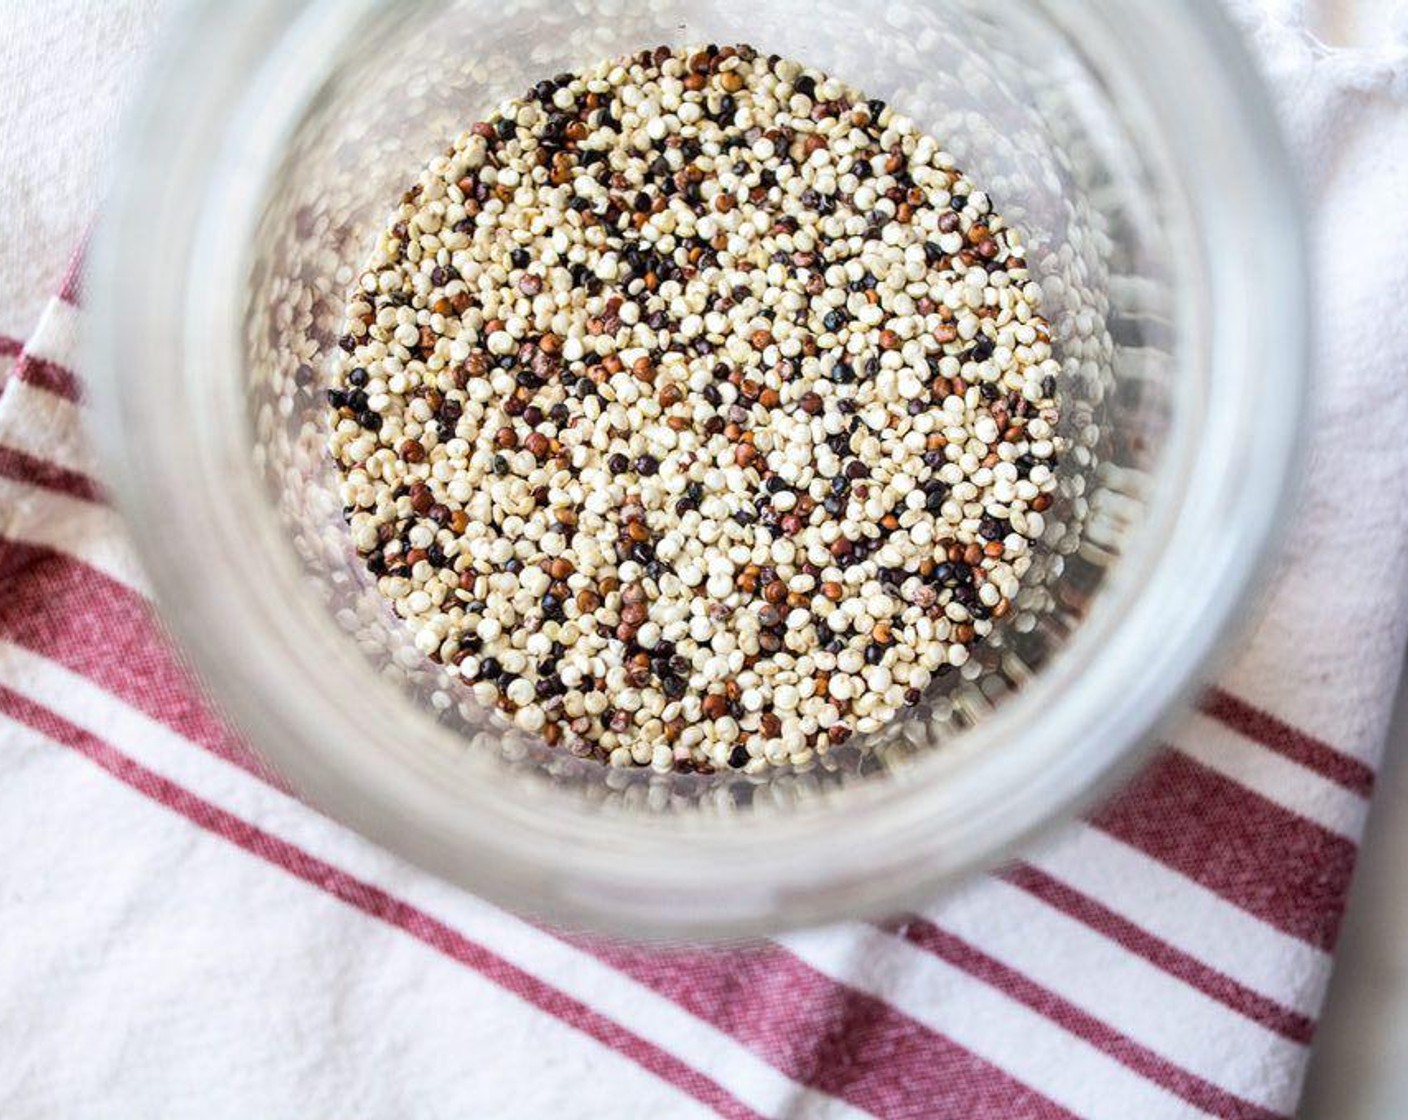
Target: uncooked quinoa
[(696, 411)]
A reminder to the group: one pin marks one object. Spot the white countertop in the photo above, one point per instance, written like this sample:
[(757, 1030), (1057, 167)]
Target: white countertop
[(1359, 1068)]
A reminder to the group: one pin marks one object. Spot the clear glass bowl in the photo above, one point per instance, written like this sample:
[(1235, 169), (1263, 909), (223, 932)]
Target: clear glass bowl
[(1128, 141)]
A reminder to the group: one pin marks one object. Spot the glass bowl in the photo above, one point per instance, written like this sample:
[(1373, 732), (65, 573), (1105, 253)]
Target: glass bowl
[(1132, 146)]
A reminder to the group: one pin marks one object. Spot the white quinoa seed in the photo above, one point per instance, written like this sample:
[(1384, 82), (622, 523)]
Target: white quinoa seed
[(697, 412)]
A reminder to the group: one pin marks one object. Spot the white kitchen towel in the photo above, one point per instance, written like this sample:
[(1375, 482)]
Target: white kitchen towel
[(181, 937), (66, 69)]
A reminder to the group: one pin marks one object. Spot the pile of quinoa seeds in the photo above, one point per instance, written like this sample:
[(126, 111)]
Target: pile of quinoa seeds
[(696, 411)]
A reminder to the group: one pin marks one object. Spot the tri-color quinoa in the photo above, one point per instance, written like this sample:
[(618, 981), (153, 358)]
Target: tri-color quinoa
[(696, 411)]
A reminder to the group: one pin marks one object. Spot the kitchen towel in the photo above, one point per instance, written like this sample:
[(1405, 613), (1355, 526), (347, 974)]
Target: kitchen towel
[(180, 937)]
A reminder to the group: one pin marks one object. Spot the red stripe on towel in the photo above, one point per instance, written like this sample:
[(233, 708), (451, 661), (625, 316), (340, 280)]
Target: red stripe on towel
[(827, 1035), (50, 376), (1256, 854), (101, 629), (1143, 1061), (1276, 734), (1193, 972), (24, 467)]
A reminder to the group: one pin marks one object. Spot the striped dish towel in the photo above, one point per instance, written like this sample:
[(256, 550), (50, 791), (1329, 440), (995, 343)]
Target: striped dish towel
[(183, 937)]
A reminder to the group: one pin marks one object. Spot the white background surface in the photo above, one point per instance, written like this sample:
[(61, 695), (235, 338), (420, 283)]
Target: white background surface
[(1359, 1068)]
